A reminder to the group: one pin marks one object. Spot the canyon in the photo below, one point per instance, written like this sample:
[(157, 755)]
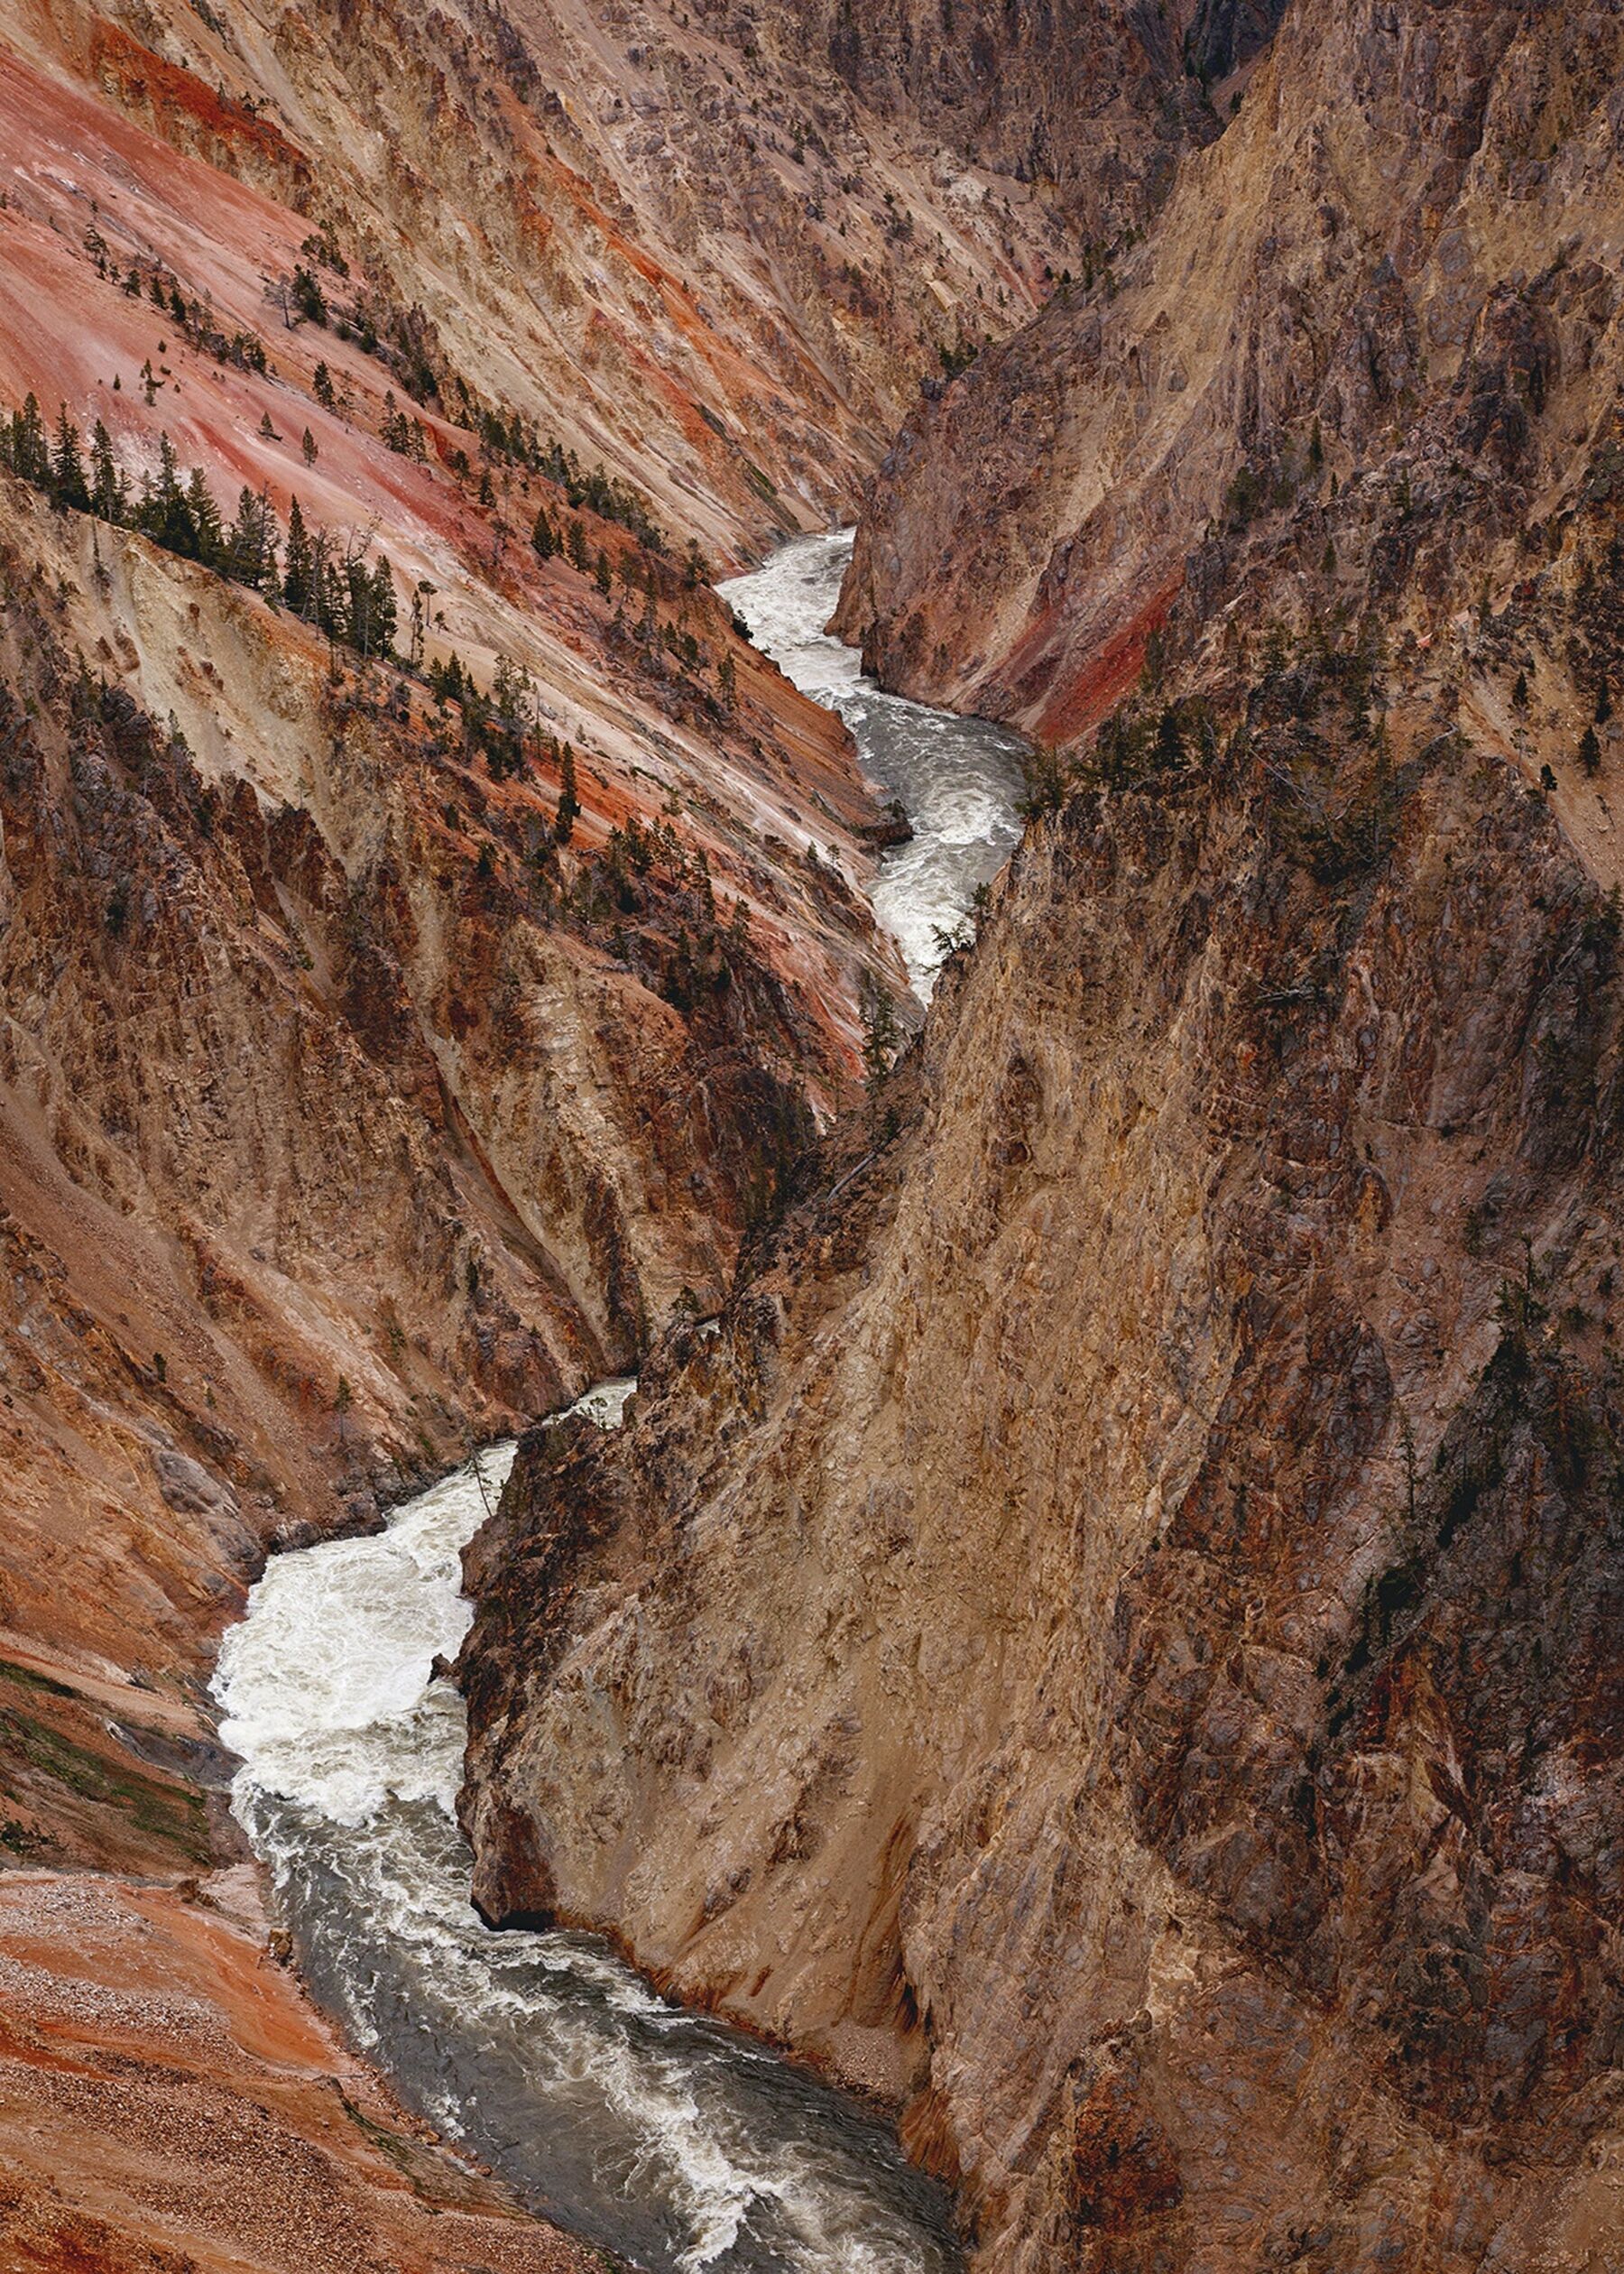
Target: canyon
[(360, 1101), (1112, 1646), (1099, 1634)]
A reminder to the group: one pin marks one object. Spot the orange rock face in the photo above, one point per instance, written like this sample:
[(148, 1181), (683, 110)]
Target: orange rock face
[(354, 1101), (168, 2098), (1116, 1642)]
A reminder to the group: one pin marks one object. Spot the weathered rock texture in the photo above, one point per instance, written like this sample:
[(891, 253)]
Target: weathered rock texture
[(1092, 105), (1116, 1642), (345, 1113), (168, 2099), (1380, 312)]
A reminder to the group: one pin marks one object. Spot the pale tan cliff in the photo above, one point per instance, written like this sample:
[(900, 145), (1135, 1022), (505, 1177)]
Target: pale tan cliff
[(1102, 1649), (344, 1115), (1116, 1644)]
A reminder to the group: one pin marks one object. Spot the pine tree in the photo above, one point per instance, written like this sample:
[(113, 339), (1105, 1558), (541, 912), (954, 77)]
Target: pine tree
[(543, 537), (68, 481), (322, 383), (206, 521), (330, 587), (603, 574), (569, 804), (298, 583), (165, 514), (1590, 752), (30, 451), (355, 609), (251, 546), (309, 446), (577, 546), (384, 613), (107, 494)]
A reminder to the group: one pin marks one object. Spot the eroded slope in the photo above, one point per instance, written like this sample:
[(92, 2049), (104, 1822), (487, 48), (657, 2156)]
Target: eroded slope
[(1115, 1644)]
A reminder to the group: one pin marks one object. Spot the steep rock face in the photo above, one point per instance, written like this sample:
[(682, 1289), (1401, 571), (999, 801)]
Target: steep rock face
[(1094, 104), (1115, 1644), (385, 1052), (672, 247), (1379, 314)]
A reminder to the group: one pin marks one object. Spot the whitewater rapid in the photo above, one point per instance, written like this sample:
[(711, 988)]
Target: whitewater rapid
[(656, 2133), (958, 779), (651, 2132)]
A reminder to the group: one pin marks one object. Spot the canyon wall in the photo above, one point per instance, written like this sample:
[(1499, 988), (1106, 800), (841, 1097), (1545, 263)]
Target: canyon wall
[(1093, 106), (391, 1044), (1113, 1644), (1380, 314)]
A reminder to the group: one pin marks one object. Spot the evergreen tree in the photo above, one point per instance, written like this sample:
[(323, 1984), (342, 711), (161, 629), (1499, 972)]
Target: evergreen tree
[(323, 384), (164, 513), (355, 607), (330, 590), (251, 544), (30, 451), (68, 483), (384, 613), (298, 582), (107, 488), (543, 537), (568, 803), (1590, 752), (210, 530)]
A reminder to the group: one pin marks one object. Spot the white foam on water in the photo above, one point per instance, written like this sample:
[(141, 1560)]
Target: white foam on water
[(959, 780), (682, 2145), (687, 2147)]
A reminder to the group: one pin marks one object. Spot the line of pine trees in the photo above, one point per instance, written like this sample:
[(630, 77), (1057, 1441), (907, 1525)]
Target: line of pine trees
[(337, 588), (605, 495)]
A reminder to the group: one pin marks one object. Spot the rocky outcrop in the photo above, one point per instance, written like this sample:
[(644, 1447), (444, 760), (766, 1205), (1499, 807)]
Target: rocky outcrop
[(1371, 339), (1114, 1642), (170, 2099)]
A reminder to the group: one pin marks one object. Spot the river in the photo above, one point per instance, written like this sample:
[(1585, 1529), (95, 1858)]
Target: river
[(958, 779), (659, 2134)]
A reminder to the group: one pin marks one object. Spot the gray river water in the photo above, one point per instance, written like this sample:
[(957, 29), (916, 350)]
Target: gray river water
[(654, 2132)]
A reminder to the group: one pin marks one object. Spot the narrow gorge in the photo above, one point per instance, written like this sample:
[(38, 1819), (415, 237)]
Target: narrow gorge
[(631, 2123), (892, 737)]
